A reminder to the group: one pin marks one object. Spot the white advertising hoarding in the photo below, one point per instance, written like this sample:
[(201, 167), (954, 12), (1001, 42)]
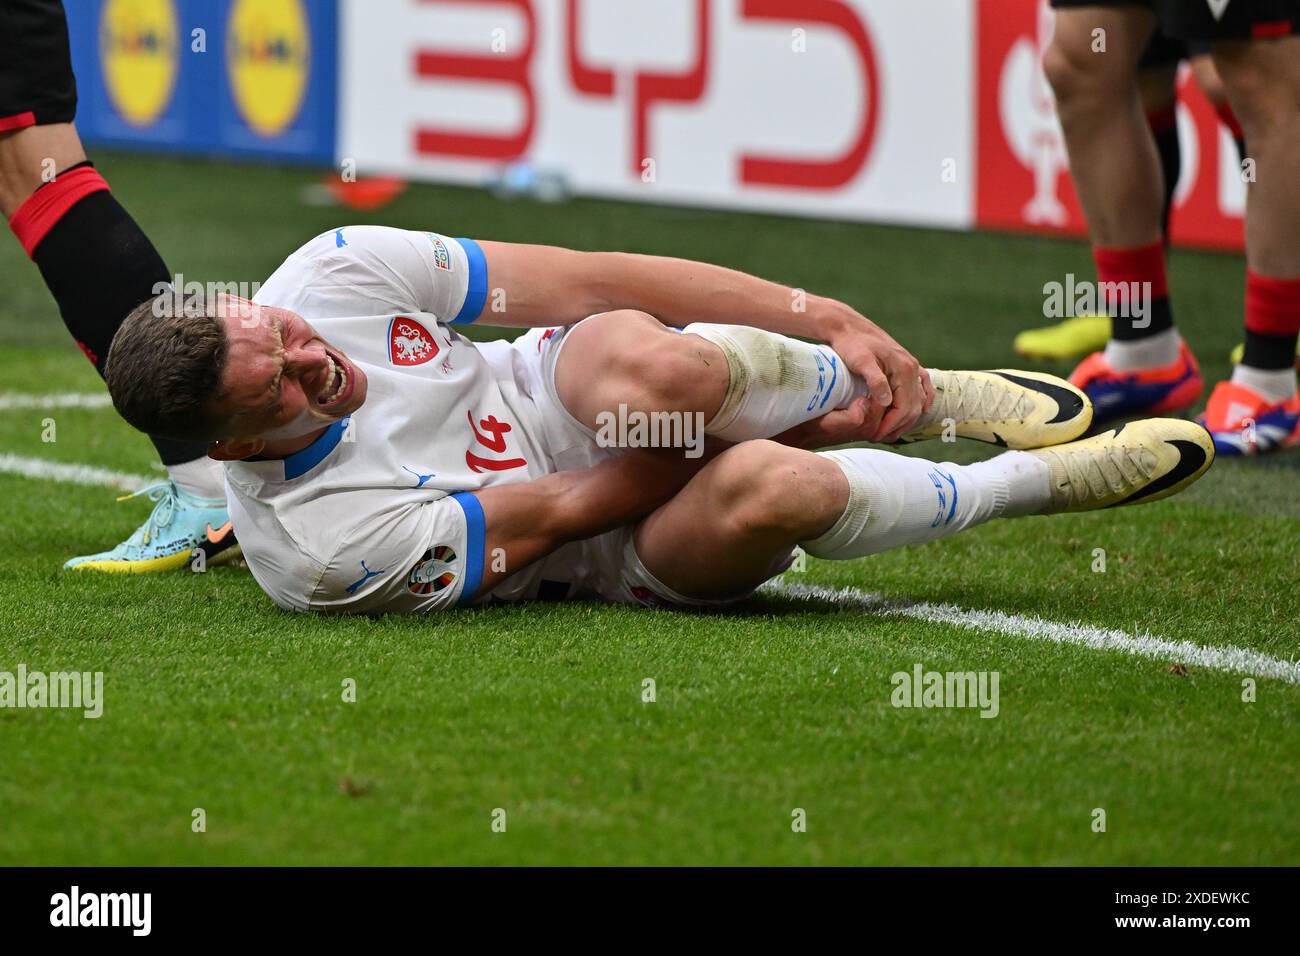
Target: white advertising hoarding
[(927, 112), (812, 107)]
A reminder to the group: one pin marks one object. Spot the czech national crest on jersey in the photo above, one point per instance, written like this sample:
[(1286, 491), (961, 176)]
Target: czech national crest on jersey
[(409, 342)]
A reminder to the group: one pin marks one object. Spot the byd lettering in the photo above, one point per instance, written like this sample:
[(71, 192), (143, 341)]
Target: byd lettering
[(649, 88)]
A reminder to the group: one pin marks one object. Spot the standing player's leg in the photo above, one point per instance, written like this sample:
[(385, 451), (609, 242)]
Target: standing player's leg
[(1157, 77), (1157, 73), (95, 260), (1258, 409), (735, 523), (1211, 84), (1201, 60), (1145, 367)]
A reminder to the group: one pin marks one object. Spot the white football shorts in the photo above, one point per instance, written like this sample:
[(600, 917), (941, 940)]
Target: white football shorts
[(608, 564)]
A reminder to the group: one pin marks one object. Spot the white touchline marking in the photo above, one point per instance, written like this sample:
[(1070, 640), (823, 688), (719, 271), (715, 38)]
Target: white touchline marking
[(1239, 660), (1229, 657), (71, 474), (13, 400)]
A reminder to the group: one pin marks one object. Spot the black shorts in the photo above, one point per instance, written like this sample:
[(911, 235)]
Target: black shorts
[(36, 84), (1194, 19)]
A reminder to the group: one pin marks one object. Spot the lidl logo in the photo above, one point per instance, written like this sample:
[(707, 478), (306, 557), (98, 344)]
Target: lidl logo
[(268, 55), (140, 54)]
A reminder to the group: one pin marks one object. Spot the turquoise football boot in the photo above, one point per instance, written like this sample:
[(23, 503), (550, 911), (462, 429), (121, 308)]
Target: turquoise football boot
[(179, 525)]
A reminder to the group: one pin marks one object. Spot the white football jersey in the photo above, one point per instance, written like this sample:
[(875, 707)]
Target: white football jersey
[(375, 515)]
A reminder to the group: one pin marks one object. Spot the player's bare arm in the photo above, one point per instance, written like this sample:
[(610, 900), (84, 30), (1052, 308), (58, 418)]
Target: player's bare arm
[(544, 285), (532, 519)]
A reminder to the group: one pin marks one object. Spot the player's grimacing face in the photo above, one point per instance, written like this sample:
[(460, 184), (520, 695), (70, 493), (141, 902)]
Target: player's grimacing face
[(282, 380)]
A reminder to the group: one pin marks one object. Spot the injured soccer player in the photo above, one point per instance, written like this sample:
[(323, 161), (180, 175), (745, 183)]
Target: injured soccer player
[(378, 460)]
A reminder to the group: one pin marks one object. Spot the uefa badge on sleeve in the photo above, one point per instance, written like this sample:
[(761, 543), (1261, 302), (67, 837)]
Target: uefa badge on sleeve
[(441, 257)]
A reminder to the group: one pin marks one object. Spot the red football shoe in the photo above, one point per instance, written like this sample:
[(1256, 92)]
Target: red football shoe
[(1145, 392), (1243, 422)]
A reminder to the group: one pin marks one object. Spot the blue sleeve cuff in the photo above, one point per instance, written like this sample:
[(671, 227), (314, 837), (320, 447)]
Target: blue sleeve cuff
[(476, 294), (475, 545)]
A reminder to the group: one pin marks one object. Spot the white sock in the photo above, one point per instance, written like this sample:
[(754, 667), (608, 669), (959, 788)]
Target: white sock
[(1027, 478), (895, 500), (201, 478), (1275, 384), (1150, 352), (776, 382)]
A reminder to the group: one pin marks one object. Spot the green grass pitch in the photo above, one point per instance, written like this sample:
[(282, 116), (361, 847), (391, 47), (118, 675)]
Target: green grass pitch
[(216, 700)]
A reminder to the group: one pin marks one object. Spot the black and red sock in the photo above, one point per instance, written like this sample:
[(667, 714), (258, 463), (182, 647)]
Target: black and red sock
[(98, 265), (1272, 321), (1142, 272)]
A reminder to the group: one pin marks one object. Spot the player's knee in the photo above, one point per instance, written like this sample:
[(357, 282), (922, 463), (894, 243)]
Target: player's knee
[(1061, 69), (768, 487), (1075, 74), (663, 372), (1256, 88)]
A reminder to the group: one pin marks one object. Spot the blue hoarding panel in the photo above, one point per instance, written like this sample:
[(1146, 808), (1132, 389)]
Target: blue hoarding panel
[(226, 77)]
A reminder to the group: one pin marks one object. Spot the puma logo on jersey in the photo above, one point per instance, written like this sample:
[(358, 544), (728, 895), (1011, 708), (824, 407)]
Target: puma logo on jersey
[(367, 574), (409, 342), (419, 478)]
